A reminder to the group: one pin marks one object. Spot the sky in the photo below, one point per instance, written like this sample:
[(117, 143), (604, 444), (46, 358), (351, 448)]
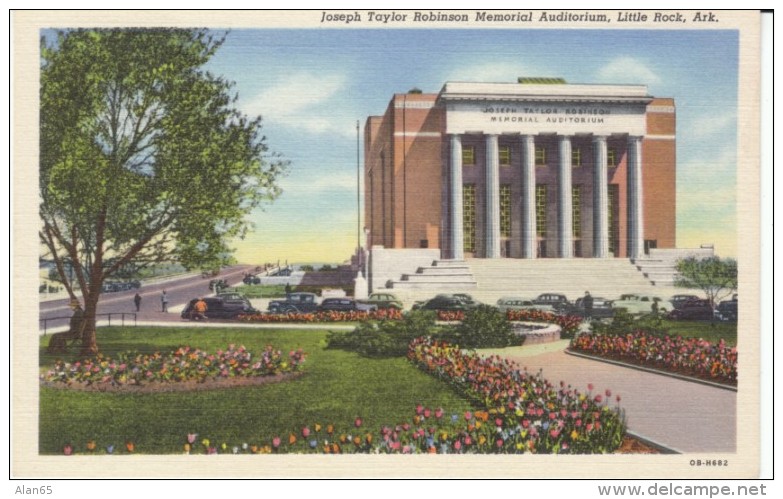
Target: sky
[(312, 85)]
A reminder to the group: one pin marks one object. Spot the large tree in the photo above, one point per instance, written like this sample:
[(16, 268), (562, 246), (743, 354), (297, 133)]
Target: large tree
[(716, 277), (143, 156)]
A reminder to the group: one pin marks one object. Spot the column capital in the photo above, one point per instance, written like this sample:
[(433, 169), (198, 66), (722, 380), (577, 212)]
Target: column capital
[(635, 138), (600, 138)]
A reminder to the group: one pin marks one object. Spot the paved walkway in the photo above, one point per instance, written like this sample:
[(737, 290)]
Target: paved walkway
[(681, 415)]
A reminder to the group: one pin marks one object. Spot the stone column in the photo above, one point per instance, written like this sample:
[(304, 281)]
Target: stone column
[(492, 229), (600, 200), (564, 201), (529, 234), (635, 213), (457, 247)]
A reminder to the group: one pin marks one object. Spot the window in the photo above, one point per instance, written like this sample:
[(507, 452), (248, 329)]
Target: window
[(541, 210), (614, 225), (469, 217), (576, 214), (468, 155), (611, 156), (576, 157), (505, 210), (540, 156), (505, 155)]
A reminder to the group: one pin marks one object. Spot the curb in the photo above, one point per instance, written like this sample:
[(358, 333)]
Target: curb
[(652, 443), (653, 371)]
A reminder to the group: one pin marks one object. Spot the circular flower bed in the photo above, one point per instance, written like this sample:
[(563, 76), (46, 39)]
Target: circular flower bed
[(185, 365)]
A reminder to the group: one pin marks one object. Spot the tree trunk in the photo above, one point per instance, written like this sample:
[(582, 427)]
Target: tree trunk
[(89, 344)]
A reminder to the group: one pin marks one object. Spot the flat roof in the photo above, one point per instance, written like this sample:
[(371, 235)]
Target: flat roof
[(453, 90)]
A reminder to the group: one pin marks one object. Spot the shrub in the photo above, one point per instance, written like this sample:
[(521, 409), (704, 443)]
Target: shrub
[(483, 327), (385, 338)]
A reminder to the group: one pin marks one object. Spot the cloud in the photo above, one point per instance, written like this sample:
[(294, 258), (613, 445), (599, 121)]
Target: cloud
[(627, 70), (499, 72), (710, 124), (332, 181), (306, 101)]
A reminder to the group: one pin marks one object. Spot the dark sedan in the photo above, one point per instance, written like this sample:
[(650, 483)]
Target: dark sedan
[(444, 302), (602, 308), (218, 308), (295, 303), (345, 305), (693, 310)]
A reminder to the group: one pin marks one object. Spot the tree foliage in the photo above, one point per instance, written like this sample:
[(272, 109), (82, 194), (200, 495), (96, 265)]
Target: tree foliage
[(144, 157), (716, 277)]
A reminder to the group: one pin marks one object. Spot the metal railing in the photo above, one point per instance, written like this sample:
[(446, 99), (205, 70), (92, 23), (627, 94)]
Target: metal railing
[(121, 314)]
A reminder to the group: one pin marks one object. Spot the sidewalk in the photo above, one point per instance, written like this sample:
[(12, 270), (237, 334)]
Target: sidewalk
[(681, 415)]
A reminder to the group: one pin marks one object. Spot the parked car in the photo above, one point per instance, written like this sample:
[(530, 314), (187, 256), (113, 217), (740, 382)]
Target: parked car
[(383, 301), (443, 302), (251, 279), (602, 308), (555, 300), (217, 284), (294, 303), (727, 310), (515, 303), (467, 299), (638, 303), (218, 308), (677, 300), (234, 297), (693, 309), (345, 305), (115, 286)]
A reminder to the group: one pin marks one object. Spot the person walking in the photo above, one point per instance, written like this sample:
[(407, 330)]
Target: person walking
[(588, 304), (164, 301), (137, 302), (288, 291)]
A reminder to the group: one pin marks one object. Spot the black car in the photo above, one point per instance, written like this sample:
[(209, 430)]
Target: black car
[(693, 310), (555, 300), (251, 279), (602, 308), (727, 310), (444, 302), (295, 303), (678, 300), (218, 308), (345, 305)]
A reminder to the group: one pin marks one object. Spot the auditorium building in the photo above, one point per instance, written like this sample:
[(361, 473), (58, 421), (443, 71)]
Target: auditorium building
[(534, 169)]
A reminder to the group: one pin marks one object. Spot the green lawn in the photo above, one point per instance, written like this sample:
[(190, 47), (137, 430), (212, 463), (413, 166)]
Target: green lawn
[(711, 331), (261, 291), (336, 388)]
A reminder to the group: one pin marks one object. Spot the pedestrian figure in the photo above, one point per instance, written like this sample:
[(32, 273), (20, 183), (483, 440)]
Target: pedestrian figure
[(200, 309), (137, 301), (59, 341), (587, 301), (288, 291), (164, 301), (655, 307)]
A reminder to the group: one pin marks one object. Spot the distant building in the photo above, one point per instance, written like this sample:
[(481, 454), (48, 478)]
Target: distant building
[(534, 169)]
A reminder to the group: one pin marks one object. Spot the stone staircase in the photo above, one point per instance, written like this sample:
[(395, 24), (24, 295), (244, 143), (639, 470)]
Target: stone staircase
[(441, 276), (606, 278), (489, 279), (659, 267)]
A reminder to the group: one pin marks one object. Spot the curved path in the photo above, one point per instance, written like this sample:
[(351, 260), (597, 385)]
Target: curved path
[(682, 415)]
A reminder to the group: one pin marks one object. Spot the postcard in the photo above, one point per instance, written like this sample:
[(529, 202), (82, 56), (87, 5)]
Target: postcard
[(386, 243)]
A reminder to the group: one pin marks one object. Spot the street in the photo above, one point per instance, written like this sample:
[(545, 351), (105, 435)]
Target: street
[(180, 290)]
